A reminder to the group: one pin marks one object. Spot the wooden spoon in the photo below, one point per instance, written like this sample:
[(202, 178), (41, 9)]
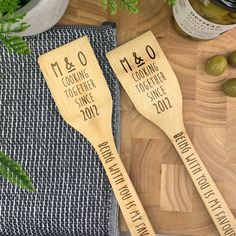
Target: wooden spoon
[(151, 84), (82, 96)]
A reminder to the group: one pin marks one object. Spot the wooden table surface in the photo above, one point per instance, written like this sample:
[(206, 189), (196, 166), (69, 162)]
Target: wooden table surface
[(160, 179)]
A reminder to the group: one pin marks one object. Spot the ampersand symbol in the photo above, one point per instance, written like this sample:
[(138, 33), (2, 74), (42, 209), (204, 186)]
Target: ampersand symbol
[(69, 65), (138, 60)]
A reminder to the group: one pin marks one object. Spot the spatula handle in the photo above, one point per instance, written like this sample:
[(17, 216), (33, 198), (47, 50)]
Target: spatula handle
[(207, 189), (129, 202)]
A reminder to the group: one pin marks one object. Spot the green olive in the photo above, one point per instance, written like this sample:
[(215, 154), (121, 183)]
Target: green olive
[(216, 10), (232, 59), (216, 65), (211, 10), (233, 15), (232, 20), (197, 7), (229, 87), (207, 14), (226, 20)]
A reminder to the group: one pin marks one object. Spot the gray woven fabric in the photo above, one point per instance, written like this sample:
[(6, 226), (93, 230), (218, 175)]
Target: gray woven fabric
[(73, 194)]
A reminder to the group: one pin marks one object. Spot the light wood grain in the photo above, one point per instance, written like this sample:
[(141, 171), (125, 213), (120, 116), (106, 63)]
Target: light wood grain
[(175, 196), (144, 72), (186, 58)]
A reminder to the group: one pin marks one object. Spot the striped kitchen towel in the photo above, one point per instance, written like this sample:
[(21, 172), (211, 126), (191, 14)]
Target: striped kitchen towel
[(73, 196)]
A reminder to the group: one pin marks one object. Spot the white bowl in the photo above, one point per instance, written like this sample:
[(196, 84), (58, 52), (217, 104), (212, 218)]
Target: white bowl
[(42, 15)]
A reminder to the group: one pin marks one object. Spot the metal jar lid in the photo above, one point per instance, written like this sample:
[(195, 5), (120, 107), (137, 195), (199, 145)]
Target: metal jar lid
[(229, 5)]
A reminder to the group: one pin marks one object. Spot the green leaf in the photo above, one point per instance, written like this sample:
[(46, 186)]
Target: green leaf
[(112, 7), (9, 6), (9, 28), (11, 18), (13, 172), (15, 43), (171, 2), (104, 4), (130, 5)]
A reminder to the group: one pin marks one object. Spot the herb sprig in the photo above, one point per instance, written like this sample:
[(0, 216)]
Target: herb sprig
[(13, 172), (171, 2), (11, 23), (128, 5)]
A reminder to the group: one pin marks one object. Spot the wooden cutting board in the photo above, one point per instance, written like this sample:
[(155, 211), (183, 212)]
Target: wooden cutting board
[(210, 117)]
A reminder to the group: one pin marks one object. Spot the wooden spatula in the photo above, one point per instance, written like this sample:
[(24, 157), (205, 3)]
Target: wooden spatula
[(151, 84), (82, 96)]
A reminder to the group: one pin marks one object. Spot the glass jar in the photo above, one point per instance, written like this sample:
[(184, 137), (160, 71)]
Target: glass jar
[(204, 19)]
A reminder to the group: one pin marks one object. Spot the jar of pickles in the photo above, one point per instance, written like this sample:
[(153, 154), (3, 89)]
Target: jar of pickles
[(204, 19)]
